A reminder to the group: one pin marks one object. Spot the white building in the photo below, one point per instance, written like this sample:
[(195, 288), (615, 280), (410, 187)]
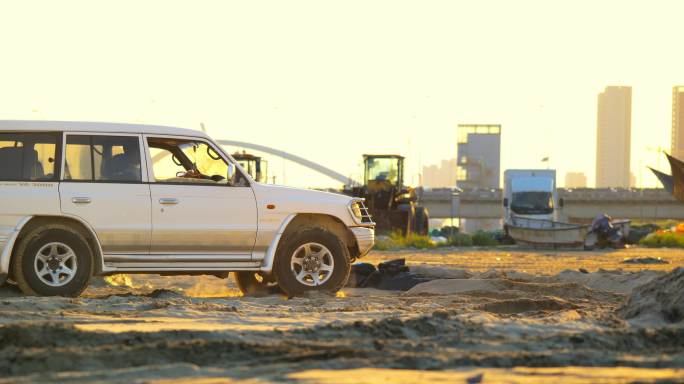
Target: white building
[(479, 166), (575, 180), (678, 122), (613, 137)]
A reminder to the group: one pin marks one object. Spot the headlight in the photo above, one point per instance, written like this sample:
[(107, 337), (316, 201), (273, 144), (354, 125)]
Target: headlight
[(360, 214), (356, 211)]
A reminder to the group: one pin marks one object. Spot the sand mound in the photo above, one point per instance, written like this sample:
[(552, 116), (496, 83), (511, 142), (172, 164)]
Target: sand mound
[(611, 281), (440, 272), (645, 260), (452, 286), (440, 322), (506, 289), (163, 294), (37, 335), (661, 299), (526, 305)]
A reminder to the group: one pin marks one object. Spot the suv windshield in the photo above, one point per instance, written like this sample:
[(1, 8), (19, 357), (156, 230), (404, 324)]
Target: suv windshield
[(532, 203), (189, 161)]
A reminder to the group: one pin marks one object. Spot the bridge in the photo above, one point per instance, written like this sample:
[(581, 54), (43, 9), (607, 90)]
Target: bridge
[(294, 158), (580, 205)]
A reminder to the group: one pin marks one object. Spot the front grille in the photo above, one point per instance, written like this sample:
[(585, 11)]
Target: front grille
[(366, 217)]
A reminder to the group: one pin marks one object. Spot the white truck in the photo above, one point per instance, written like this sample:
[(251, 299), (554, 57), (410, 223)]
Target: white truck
[(531, 194), (79, 199), (533, 215)]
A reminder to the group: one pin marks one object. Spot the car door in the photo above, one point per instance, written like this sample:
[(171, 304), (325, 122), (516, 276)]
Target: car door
[(104, 182), (196, 210)]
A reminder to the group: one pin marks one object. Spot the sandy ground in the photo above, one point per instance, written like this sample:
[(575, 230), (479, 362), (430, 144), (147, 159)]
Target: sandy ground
[(491, 315)]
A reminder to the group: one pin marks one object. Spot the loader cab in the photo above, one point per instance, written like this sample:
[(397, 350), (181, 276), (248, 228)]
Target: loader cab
[(254, 165), (383, 172)]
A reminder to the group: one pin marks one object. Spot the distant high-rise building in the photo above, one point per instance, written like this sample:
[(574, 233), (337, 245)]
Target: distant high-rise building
[(613, 138), (479, 156), (479, 166), (575, 180), (440, 176), (678, 121)]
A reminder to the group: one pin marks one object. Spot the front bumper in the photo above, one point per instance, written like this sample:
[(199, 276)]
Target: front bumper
[(365, 239)]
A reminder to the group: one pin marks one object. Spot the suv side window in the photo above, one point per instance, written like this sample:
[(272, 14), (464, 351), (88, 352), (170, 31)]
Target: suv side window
[(189, 162), (28, 156), (102, 158)]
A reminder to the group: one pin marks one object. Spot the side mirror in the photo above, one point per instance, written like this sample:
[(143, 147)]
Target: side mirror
[(561, 202), (505, 202), (231, 172)]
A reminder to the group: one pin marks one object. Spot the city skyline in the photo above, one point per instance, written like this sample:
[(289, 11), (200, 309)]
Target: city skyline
[(614, 113), (613, 149)]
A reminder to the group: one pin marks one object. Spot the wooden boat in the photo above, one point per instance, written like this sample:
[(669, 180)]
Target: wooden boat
[(540, 233)]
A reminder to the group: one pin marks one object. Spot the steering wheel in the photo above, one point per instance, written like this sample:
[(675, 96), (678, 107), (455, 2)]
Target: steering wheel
[(190, 174)]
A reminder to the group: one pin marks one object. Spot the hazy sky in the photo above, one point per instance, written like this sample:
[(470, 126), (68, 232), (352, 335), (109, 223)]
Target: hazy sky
[(333, 80)]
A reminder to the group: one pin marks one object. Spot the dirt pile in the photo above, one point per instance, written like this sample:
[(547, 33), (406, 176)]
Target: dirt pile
[(507, 288), (612, 281), (521, 305), (617, 281), (660, 300), (645, 260)]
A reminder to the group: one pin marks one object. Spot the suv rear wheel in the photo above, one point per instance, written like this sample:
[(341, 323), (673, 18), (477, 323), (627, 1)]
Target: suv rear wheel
[(312, 260), (53, 260), (255, 284)]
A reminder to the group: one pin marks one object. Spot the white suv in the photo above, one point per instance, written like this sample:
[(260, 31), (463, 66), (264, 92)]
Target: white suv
[(79, 199)]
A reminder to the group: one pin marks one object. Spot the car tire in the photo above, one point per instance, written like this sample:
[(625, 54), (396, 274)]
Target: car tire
[(312, 259), (53, 260), (253, 283), (406, 218)]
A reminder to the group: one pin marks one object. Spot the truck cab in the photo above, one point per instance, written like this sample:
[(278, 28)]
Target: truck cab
[(530, 193)]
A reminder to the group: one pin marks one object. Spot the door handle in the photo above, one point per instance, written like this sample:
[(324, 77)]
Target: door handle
[(81, 200), (168, 201)]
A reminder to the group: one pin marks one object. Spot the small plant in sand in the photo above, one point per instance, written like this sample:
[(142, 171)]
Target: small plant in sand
[(484, 239), (663, 239), (460, 240), (396, 241)]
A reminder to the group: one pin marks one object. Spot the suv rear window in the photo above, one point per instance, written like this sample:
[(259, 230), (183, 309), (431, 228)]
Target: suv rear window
[(28, 156), (102, 158)]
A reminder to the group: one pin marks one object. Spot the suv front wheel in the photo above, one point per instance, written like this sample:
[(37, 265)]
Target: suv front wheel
[(53, 260), (312, 260)]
